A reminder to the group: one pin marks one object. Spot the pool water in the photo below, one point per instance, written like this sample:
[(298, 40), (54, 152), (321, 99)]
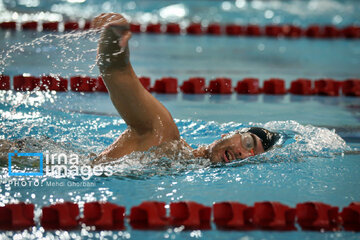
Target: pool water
[(308, 169), (317, 161)]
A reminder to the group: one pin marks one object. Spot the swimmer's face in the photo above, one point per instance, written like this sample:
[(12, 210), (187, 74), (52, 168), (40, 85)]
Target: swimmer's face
[(235, 146)]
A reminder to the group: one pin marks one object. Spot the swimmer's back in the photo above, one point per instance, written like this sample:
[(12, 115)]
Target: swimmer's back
[(171, 149)]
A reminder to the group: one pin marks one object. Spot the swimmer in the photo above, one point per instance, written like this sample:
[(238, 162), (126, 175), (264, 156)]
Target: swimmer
[(149, 123)]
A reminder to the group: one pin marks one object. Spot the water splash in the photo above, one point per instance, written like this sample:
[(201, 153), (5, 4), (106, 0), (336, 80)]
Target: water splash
[(75, 132), (76, 48)]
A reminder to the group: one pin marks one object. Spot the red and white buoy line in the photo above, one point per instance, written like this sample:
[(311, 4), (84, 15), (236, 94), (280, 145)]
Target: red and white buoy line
[(152, 215), (193, 85), (216, 29)]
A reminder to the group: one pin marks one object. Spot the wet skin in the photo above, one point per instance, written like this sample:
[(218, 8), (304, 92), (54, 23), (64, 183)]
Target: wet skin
[(234, 146), (149, 122)]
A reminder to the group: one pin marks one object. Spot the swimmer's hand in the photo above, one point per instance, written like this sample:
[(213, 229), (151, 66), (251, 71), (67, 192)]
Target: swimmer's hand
[(113, 50)]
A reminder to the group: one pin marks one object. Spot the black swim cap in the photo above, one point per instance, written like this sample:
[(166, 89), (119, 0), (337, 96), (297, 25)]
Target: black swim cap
[(267, 138)]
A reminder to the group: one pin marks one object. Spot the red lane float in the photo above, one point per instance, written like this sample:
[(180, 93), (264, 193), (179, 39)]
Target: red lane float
[(351, 217), (292, 31), (173, 28), (29, 25), (82, 84), (274, 86), (248, 86), (313, 31), (60, 216), (233, 215), (194, 29), (234, 30), (152, 215), (220, 86), (50, 26), (26, 82), (4, 82), (191, 215), (351, 32), (99, 85), (314, 216), (351, 87), (70, 26), (16, 216), (194, 85), (148, 215), (253, 31), (301, 86), (104, 215), (8, 25), (273, 31), (289, 31), (53, 84), (327, 87), (214, 29), (166, 85), (87, 25), (331, 32), (274, 216), (318, 216), (135, 27), (153, 28)]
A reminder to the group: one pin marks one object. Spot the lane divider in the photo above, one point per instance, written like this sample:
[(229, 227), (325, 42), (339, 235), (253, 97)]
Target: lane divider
[(215, 29), (152, 215), (193, 85)]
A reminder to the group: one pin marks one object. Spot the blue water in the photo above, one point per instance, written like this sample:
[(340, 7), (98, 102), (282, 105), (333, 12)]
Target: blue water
[(317, 160), (302, 170)]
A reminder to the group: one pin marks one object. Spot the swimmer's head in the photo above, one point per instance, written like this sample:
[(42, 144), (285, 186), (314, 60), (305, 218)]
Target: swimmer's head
[(242, 144), (268, 138)]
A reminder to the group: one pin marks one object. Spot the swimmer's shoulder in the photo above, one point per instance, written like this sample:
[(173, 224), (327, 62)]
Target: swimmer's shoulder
[(173, 149), (182, 141)]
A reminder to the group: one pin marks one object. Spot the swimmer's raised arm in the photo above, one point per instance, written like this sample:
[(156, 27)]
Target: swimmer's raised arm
[(141, 111)]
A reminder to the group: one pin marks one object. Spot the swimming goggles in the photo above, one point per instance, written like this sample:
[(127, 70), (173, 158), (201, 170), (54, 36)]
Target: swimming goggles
[(248, 142)]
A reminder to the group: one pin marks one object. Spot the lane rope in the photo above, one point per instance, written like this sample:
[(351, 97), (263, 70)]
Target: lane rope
[(313, 31), (193, 85), (152, 215)]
